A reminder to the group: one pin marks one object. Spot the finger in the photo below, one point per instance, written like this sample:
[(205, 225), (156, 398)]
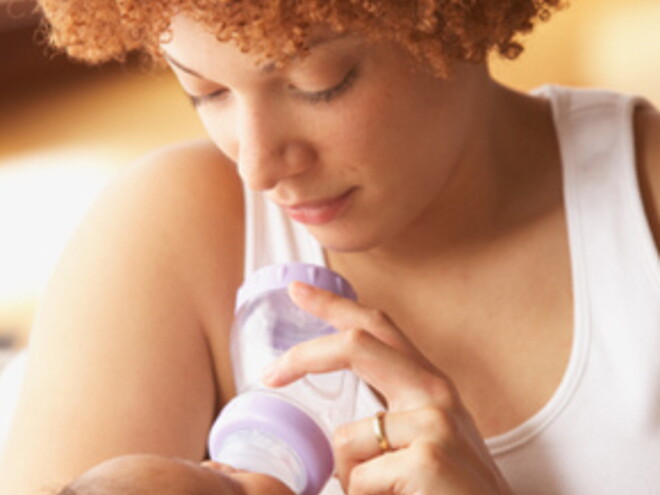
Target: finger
[(219, 467), (402, 381), (358, 441), (391, 473), (345, 314), (380, 475), (418, 469)]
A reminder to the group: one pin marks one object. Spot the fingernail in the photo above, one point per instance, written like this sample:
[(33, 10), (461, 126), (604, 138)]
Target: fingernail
[(216, 466), (269, 373), (301, 289)]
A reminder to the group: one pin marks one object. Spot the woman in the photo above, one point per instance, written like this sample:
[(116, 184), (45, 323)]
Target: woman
[(506, 235)]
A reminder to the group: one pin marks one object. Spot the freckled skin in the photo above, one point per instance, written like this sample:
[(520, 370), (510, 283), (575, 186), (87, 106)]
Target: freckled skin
[(396, 135)]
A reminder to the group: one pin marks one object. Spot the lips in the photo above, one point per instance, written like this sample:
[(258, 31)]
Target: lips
[(318, 212)]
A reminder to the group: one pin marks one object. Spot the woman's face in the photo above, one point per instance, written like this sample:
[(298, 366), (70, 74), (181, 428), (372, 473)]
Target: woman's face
[(350, 140)]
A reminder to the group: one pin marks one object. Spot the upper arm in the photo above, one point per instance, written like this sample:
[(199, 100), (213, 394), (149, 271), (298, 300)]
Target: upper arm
[(647, 151), (122, 357)]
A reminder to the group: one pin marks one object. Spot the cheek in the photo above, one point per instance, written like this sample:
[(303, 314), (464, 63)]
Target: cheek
[(403, 148), (363, 132), (387, 119), (221, 131)]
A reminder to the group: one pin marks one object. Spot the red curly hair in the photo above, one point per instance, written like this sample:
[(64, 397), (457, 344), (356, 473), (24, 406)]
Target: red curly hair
[(434, 32)]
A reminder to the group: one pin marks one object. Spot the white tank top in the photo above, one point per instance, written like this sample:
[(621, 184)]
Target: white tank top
[(600, 432)]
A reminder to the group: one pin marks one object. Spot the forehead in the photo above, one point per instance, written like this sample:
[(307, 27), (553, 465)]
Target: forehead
[(191, 42)]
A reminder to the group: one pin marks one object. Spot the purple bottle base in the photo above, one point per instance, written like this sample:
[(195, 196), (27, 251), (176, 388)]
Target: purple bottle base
[(272, 415)]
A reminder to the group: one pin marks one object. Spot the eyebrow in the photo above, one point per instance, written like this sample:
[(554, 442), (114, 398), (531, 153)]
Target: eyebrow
[(266, 69), (182, 67)]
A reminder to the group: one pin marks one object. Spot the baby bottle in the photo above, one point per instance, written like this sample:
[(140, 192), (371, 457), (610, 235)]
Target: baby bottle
[(283, 432)]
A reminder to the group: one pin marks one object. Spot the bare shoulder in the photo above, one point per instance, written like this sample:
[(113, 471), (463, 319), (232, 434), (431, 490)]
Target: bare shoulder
[(184, 203), (132, 325), (647, 151), (182, 209), (193, 172)]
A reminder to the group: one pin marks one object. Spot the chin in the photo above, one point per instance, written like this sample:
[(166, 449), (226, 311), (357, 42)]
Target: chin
[(347, 241)]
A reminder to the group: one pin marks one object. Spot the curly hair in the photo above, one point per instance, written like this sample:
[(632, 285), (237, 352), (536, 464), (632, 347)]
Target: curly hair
[(434, 32)]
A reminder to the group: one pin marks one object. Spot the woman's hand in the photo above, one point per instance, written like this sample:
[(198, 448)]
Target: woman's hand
[(434, 445)]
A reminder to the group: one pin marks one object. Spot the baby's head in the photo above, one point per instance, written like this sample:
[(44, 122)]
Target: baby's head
[(143, 474)]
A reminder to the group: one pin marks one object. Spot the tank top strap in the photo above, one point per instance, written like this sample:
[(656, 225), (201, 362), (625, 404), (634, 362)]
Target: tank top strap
[(272, 237), (613, 252), (610, 236)]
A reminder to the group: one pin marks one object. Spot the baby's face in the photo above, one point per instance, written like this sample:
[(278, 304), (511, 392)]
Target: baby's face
[(142, 474)]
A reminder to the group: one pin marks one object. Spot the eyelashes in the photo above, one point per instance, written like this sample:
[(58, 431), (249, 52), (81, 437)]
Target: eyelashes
[(329, 94), (202, 99), (324, 96)]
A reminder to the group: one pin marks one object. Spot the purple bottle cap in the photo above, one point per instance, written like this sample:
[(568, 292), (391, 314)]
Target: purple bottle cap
[(279, 276), (272, 415)]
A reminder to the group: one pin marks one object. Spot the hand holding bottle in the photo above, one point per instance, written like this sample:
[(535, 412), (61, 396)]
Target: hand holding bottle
[(284, 433), (427, 443)]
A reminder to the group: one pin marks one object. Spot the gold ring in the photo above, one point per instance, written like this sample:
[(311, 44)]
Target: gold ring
[(379, 431)]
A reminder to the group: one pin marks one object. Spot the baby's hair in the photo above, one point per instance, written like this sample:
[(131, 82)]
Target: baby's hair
[(98, 490), (100, 485), (434, 32), (86, 490)]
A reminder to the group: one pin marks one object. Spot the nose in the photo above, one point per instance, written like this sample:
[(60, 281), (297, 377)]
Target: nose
[(269, 148)]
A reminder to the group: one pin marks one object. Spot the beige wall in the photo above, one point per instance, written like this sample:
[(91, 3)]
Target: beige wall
[(605, 43)]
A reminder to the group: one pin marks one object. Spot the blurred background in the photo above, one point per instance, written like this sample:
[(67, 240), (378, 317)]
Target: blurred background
[(66, 129)]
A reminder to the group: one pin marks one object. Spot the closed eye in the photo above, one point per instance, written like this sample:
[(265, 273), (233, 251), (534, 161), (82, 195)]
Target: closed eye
[(198, 100), (330, 94), (313, 97)]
